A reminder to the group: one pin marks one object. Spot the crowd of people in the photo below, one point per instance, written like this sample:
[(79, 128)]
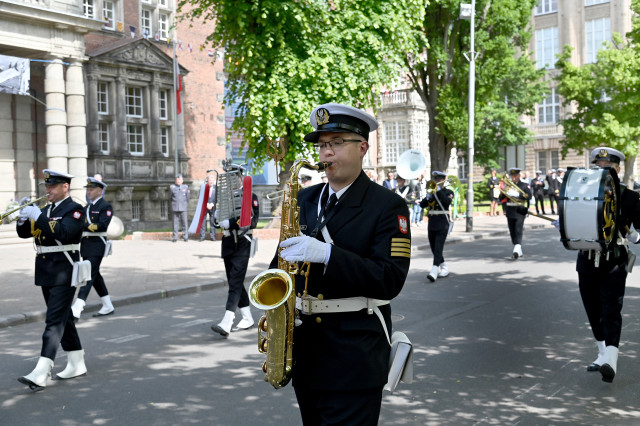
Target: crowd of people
[(356, 238)]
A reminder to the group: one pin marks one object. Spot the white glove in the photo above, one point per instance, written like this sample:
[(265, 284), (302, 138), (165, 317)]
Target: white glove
[(31, 212), (305, 249), (24, 200), (556, 223), (512, 193), (633, 237), (224, 224)]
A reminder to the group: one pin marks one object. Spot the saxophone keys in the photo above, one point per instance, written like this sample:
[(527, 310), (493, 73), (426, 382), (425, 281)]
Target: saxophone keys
[(263, 346), (264, 370)]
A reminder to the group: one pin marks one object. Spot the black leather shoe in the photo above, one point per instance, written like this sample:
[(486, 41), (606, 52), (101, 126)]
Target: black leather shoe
[(607, 373), (593, 367), (219, 330), (31, 385)]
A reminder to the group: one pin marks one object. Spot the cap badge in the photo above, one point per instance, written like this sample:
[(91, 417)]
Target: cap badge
[(47, 175), (322, 116), (603, 153)]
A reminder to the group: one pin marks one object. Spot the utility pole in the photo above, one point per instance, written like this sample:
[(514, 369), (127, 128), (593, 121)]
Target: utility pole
[(468, 11)]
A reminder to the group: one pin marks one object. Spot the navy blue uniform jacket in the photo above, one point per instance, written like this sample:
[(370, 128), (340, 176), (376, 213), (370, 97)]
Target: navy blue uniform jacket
[(100, 214), (65, 224), (370, 257)]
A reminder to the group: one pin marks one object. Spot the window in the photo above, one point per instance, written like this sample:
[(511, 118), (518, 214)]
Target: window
[(134, 101), (163, 99), (103, 98), (136, 210), (164, 209), (546, 47), (549, 109), (163, 3), (164, 141), (146, 22), (592, 2), (135, 139), (103, 137), (462, 168), (396, 138), (547, 6), (88, 9), (163, 26), (108, 14), (598, 31), (547, 160)]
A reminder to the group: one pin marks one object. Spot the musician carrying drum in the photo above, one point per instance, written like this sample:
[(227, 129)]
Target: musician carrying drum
[(602, 271)]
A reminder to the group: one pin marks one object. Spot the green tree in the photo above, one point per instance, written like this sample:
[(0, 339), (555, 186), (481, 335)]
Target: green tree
[(507, 82), (603, 99), (283, 57)]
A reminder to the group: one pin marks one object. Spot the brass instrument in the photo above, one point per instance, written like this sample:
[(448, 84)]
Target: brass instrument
[(273, 291), (8, 217), (509, 184), (228, 202), (275, 194)]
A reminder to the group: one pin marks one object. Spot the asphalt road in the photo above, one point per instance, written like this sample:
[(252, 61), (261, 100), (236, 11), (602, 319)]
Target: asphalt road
[(497, 342)]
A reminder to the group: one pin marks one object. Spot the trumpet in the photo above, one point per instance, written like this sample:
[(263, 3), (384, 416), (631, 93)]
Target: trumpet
[(8, 216), (511, 185), (275, 194)]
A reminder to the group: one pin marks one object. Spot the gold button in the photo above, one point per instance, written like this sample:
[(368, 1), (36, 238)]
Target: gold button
[(44, 257), (44, 238), (320, 297), (318, 320)]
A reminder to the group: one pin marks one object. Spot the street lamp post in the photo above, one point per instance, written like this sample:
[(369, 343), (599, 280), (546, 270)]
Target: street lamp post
[(468, 11)]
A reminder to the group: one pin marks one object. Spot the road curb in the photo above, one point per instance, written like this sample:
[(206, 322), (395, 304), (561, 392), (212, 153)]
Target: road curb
[(26, 318)]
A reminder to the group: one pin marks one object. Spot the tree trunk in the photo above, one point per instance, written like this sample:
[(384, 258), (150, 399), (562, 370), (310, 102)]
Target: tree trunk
[(627, 179)]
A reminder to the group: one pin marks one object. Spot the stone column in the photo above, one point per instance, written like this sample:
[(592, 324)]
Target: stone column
[(55, 117), (154, 121), (92, 111), (76, 128), (120, 145)]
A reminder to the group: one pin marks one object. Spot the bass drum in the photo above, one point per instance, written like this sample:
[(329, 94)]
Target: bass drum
[(588, 208)]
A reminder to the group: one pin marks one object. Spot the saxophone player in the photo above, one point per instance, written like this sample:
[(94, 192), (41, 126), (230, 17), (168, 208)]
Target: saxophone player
[(357, 238)]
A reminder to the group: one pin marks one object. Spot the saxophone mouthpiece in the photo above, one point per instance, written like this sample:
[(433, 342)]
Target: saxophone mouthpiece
[(323, 164)]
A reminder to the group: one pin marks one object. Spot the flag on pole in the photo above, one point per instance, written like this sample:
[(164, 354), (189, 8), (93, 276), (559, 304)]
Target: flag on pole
[(133, 31), (190, 47)]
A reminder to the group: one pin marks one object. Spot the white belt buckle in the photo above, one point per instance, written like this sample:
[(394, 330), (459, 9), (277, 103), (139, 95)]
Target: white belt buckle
[(306, 306)]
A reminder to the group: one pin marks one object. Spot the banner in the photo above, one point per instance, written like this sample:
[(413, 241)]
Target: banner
[(14, 75)]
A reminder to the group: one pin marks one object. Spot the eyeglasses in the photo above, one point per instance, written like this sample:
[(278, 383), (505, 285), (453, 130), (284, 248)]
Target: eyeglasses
[(334, 144)]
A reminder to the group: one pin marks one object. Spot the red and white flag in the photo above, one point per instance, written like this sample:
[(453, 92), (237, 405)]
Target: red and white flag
[(190, 47), (178, 89)]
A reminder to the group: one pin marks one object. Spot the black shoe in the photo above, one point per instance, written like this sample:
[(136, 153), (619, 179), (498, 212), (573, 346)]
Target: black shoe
[(431, 278), (219, 330), (593, 367), (515, 255), (201, 240), (31, 385), (174, 240), (607, 373)]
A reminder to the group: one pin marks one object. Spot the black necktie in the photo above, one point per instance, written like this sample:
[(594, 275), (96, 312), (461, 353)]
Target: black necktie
[(332, 202)]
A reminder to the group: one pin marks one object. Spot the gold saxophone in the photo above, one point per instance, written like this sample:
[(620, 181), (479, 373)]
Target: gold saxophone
[(273, 290)]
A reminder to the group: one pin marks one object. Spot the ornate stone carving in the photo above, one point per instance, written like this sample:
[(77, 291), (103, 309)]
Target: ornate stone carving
[(158, 193), (140, 54), (124, 193)]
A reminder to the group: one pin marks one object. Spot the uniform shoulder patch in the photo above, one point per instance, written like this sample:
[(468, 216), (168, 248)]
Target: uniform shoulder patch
[(109, 213), (403, 224), (400, 247), (255, 203), (77, 215)]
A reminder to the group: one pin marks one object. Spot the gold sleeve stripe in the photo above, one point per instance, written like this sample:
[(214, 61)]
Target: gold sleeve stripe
[(401, 240), (401, 245), (395, 253)]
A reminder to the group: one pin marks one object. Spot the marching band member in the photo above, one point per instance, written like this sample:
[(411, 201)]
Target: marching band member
[(494, 192), (94, 242), (358, 241), (516, 208), (602, 287), (57, 230), (437, 203), (236, 250)]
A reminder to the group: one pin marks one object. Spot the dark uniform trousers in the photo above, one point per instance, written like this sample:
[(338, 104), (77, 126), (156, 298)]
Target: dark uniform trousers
[(92, 248), (438, 226), (342, 359), (602, 289), (236, 249), (53, 272), (517, 214)]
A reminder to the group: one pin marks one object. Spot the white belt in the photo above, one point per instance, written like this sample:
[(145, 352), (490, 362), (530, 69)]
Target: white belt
[(94, 234), (54, 249), (432, 212), (312, 305), (514, 205), (227, 233)]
